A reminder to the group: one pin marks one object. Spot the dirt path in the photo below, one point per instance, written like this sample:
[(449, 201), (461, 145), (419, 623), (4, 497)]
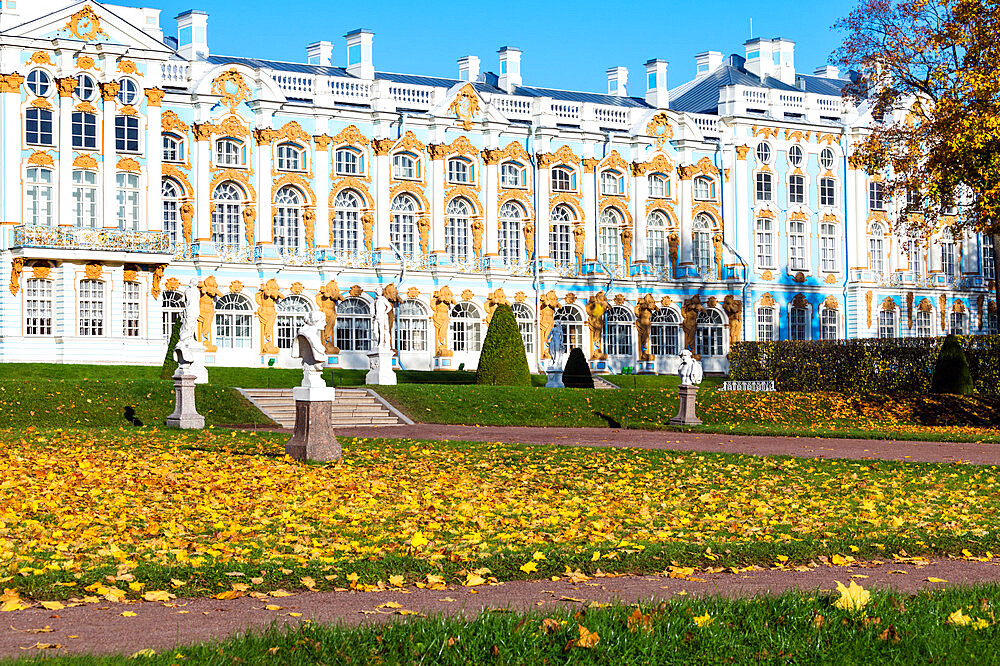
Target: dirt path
[(803, 447), (102, 628)]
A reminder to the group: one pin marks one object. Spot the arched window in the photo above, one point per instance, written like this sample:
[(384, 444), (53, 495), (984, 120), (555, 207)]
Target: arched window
[(85, 198), (563, 179), (349, 161), (708, 334), (612, 183), (609, 240), (767, 329), (405, 166), (456, 230), (39, 83), (403, 228), (701, 243), (91, 307), (925, 323), (466, 328), (227, 225), (664, 334), (233, 316), (526, 325), (511, 219), (797, 245), (461, 171), (513, 174), (37, 307), (618, 331), (704, 188), (291, 157), (128, 91), (561, 235), (38, 196), (949, 262), (656, 239), (659, 186), (38, 127), (354, 325), (829, 324), (172, 306), (346, 220), (876, 248), (173, 148), (571, 321), (170, 197), (83, 127), (887, 324), (230, 153), (127, 195), (291, 317), (765, 242), (798, 324), (828, 247), (411, 326), (287, 217), (957, 323)]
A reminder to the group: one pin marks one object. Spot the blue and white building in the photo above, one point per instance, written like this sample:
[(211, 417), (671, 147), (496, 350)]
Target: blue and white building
[(134, 160)]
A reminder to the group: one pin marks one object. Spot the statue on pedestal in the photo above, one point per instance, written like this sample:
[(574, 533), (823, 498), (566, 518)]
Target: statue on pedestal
[(690, 374), (382, 335), (689, 370), (309, 348)]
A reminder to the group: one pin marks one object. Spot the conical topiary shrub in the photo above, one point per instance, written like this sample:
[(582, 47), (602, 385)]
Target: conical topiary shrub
[(502, 361), (169, 364), (577, 371), (951, 373)]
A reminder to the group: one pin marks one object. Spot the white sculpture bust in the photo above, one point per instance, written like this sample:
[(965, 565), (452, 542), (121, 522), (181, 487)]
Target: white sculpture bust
[(308, 346), (381, 333), (689, 370)]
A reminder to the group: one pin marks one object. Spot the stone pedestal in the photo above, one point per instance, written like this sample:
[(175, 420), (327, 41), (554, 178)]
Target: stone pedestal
[(313, 438), (685, 412), (555, 378), (185, 415), (191, 356), (380, 364), (646, 367)]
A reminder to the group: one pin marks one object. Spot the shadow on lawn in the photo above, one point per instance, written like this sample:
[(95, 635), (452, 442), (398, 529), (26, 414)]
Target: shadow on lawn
[(942, 409)]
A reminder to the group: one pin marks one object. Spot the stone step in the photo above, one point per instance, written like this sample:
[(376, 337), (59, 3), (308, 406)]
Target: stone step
[(351, 407)]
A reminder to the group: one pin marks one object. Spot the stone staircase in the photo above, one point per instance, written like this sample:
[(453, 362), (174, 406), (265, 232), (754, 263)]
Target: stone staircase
[(351, 407)]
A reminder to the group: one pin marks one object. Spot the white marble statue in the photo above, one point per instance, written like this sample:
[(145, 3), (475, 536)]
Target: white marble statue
[(555, 343), (308, 346), (689, 369), (192, 310), (380, 329)]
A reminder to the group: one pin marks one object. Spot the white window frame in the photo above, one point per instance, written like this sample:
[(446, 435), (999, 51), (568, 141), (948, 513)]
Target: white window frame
[(127, 198), (767, 327), (38, 307), (91, 307), (131, 309), (85, 198), (405, 166), (231, 153), (764, 242), (290, 157)]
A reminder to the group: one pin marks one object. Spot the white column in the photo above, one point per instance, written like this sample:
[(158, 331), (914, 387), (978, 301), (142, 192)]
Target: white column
[(587, 182), (64, 189), (684, 201), (640, 192), (541, 213), (491, 224), (265, 225), (321, 167), (739, 217), (154, 160), (109, 209), (435, 185), (10, 151), (381, 189), (201, 163)]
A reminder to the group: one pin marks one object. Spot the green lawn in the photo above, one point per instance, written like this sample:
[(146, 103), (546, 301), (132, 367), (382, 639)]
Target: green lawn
[(793, 628)]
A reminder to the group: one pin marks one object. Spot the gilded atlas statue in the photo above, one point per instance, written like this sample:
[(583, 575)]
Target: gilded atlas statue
[(209, 290), (441, 303), (644, 308), (734, 310), (267, 295), (690, 310), (597, 305), (327, 299)]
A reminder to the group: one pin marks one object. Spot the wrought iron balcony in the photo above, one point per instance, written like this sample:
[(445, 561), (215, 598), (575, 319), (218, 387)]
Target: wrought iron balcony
[(76, 238)]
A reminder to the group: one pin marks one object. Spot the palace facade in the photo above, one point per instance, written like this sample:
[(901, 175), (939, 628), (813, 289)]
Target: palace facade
[(724, 209)]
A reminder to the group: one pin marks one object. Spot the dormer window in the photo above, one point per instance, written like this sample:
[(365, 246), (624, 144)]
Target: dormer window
[(128, 91), (563, 179), (291, 157), (659, 186), (513, 174), (173, 148), (349, 161), (704, 188), (230, 153), (612, 183), (461, 171), (405, 166)]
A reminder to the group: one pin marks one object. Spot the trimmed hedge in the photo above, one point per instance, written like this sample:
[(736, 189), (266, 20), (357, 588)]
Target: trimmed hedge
[(951, 372), (576, 374), (169, 366), (502, 361), (876, 365)]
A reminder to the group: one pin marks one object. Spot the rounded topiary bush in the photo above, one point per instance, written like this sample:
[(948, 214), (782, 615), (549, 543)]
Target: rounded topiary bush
[(502, 361), (169, 363), (577, 371), (951, 372)]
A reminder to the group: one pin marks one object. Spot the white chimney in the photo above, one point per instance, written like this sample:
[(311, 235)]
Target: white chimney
[(192, 34), (510, 68), (656, 83), (783, 56), (828, 72), (617, 80), (706, 63), (359, 54), (760, 58), (468, 68), (320, 53)]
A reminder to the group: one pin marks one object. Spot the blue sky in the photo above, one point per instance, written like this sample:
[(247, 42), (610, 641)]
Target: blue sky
[(564, 45)]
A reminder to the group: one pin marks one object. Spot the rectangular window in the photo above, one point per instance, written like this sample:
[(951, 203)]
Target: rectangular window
[(887, 324), (948, 263), (989, 269), (765, 325), (656, 247), (84, 130), (797, 245), (128, 200), (126, 134), (876, 196), (797, 190), (925, 324), (559, 243), (91, 307), (826, 192), (876, 257), (829, 323), (764, 188), (38, 307), (85, 199), (913, 257), (38, 127), (798, 327), (828, 248), (765, 242), (131, 310)]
